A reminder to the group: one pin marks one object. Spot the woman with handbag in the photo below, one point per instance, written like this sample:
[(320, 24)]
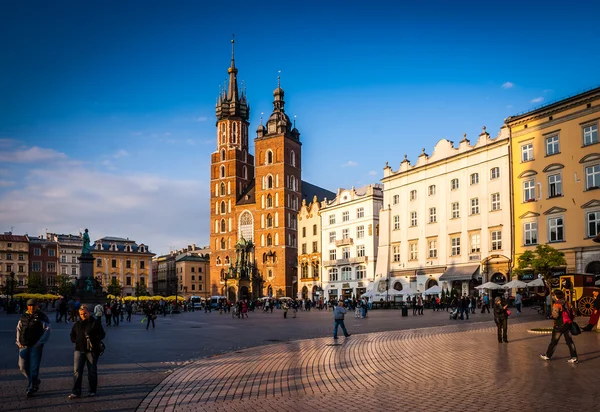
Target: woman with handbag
[(87, 335), (563, 319)]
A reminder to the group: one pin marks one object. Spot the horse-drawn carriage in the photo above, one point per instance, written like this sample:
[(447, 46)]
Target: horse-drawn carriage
[(578, 289)]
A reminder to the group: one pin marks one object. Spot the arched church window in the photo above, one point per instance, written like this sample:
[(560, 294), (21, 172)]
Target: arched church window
[(222, 189), (269, 220), (246, 226), (223, 226), (223, 155), (269, 182), (269, 157), (223, 208), (269, 240), (222, 171), (223, 134), (245, 172), (293, 158), (223, 244), (269, 200)]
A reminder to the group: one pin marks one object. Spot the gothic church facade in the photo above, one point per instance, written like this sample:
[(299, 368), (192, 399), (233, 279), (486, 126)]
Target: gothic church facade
[(254, 199)]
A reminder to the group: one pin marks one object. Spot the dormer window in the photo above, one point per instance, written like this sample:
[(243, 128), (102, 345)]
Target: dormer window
[(113, 247), (142, 249), (98, 246)]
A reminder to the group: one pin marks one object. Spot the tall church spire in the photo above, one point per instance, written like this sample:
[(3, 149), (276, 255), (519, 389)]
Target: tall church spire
[(232, 93), (231, 104)]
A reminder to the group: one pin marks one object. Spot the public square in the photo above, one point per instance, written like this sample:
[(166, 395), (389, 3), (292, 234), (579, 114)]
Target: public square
[(209, 362)]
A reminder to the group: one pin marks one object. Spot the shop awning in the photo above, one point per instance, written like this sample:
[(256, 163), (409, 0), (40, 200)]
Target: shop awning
[(467, 272)]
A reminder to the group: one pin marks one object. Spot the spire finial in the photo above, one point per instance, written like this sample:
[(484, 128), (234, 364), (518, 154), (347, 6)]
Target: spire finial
[(294, 121), (261, 115)]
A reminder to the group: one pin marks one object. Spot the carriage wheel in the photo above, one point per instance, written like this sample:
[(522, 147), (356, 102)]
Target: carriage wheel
[(586, 305)]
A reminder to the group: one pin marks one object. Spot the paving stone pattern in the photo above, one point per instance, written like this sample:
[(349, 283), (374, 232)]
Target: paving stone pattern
[(454, 367), (197, 361)]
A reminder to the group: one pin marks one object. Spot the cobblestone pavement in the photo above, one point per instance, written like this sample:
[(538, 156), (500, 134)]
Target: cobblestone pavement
[(138, 360), (458, 367)]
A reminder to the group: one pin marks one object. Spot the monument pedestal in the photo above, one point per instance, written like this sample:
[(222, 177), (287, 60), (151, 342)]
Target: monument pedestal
[(86, 288)]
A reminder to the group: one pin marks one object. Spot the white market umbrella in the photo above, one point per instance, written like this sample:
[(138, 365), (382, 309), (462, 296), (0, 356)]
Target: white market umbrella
[(514, 284), (489, 285), (536, 283), (434, 290), (408, 291)]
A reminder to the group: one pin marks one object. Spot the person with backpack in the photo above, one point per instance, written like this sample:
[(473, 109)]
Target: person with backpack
[(86, 334), (98, 312), (33, 331), (563, 317)]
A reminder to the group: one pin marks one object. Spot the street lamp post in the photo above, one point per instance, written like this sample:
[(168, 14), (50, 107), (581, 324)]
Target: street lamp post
[(387, 289)]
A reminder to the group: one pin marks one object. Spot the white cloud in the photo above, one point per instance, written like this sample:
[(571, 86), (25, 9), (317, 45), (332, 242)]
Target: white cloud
[(33, 154), (143, 207), (201, 119), (350, 163), (191, 142), (537, 100), (373, 173), (509, 106), (121, 153), (508, 85), (547, 91), (6, 183)]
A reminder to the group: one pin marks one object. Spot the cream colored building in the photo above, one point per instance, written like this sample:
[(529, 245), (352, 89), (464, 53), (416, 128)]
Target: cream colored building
[(193, 267), (309, 251), (14, 258), (349, 238), (446, 219)]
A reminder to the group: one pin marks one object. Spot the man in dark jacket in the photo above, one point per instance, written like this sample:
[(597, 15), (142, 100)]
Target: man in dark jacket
[(501, 319), (86, 334), (33, 331)]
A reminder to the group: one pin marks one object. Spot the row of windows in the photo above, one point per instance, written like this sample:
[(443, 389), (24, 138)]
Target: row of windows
[(127, 248), (63, 270), (223, 172), (360, 213), (454, 185), (552, 142), (193, 287), (37, 266), (455, 246), (346, 252), (20, 268), (555, 228), (455, 211), (555, 187), (360, 234), (63, 259), (193, 269), (9, 256), (113, 263), (304, 270), (314, 231), (128, 280), (234, 133), (346, 274), (269, 157), (315, 248)]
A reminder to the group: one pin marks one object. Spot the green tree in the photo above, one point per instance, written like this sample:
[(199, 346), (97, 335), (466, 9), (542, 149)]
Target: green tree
[(64, 285), (140, 289), (114, 288), (35, 283), (541, 261)]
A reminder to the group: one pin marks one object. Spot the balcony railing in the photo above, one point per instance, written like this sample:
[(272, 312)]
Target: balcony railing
[(349, 261), (344, 242)]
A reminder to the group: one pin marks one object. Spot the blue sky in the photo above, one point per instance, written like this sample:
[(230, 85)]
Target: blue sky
[(107, 110)]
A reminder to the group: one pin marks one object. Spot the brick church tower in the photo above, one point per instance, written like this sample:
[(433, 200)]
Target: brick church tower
[(253, 209)]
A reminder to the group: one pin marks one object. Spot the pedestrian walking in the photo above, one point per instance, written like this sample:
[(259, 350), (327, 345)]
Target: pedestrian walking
[(338, 319), (150, 316), (501, 319), (486, 304), (129, 309), (563, 317), (107, 314), (33, 331), (86, 334), (98, 312), (463, 304), (518, 302)]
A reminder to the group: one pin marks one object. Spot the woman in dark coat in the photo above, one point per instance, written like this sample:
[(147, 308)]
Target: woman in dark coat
[(501, 319)]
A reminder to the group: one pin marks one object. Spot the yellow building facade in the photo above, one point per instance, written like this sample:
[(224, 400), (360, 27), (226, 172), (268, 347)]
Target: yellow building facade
[(123, 260), (555, 180)]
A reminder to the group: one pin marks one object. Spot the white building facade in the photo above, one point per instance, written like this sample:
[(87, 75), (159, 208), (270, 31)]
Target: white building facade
[(349, 239), (447, 219)]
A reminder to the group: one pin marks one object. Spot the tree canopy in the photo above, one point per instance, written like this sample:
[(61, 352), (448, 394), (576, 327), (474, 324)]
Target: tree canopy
[(543, 260)]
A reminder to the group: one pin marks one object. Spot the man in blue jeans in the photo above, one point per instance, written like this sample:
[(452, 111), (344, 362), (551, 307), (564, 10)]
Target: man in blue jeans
[(33, 331), (338, 319)]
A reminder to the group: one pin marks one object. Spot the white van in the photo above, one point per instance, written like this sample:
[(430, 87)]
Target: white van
[(214, 301)]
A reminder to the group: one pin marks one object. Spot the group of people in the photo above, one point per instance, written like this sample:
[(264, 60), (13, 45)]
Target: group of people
[(33, 332)]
